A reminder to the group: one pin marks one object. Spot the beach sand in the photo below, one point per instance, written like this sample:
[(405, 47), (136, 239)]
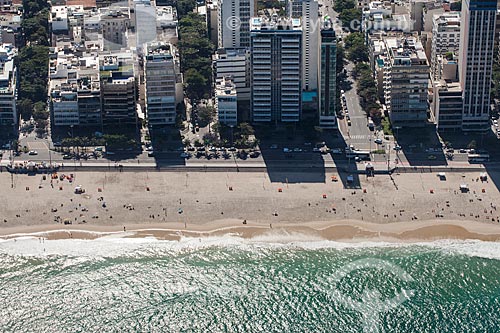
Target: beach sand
[(169, 205)]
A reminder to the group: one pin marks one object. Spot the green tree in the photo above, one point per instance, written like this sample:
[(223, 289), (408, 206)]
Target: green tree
[(210, 139), (356, 47), (246, 129), (206, 114), (340, 5), (185, 6), (25, 108), (351, 19), (196, 55), (358, 53), (195, 84), (340, 59), (217, 127), (472, 145)]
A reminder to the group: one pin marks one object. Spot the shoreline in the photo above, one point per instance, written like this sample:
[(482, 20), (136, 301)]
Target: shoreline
[(347, 231)]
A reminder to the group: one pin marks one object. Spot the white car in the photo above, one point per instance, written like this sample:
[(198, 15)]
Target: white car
[(33, 152)]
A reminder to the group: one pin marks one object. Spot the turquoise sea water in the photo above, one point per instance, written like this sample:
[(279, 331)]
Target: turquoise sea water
[(232, 285)]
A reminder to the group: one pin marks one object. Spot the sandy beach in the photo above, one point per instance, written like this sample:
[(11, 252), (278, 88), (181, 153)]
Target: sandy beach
[(169, 205)]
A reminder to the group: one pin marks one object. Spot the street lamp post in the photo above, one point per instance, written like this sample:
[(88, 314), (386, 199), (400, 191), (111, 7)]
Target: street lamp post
[(231, 126), (370, 148), (388, 156), (397, 131)]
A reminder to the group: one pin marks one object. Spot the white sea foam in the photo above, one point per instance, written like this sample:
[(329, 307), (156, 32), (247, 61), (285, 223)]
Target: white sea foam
[(116, 245)]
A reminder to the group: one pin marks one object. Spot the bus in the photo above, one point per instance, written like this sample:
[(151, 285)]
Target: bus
[(362, 154), (478, 158)]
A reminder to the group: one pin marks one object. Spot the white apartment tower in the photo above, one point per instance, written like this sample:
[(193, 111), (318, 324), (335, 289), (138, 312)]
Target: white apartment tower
[(477, 38), (160, 78), (445, 39), (234, 23), (307, 11), (276, 63)]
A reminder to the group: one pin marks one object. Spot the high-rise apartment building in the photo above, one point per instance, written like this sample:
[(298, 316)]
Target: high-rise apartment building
[(89, 98), (406, 81), (118, 91), (8, 94), (236, 64), (307, 11), (276, 63), (234, 23), (327, 79), (447, 105), (160, 78), (445, 40), (477, 37)]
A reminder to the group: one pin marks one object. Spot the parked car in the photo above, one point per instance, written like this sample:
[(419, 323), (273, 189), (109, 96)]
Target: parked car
[(337, 151), (254, 154), (378, 141), (33, 152)]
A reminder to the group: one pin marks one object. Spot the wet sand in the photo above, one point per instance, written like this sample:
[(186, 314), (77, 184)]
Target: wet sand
[(342, 231)]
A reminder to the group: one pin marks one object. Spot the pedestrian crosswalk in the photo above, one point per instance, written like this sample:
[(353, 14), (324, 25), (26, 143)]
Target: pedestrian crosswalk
[(359, 137)]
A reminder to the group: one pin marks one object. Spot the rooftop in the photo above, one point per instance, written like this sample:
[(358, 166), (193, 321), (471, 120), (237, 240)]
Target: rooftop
[(225, 87), (406, 48), (274, 23), (449, 19)]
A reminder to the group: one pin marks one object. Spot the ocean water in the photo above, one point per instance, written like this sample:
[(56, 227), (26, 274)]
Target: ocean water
[(227, 284)]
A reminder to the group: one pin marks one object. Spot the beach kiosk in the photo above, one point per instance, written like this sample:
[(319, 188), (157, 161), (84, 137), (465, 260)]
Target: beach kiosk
[(483, 176), (442, 176), (464, 188)]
